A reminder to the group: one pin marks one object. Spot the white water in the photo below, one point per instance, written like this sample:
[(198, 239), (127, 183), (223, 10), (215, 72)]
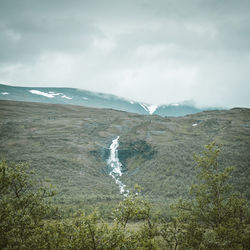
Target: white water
[(115, 166)]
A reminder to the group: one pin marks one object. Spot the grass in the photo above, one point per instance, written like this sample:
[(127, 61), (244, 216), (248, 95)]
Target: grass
[(69, 145)]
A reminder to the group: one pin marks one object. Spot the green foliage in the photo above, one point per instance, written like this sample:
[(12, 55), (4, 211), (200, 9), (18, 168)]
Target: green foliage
[(172, 232), (23, 207), (70, 146), (215, 218), (131, 208), (135, 209), (28, 221)]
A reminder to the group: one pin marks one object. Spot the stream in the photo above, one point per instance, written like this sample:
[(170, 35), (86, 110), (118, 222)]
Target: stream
[(115, 166)]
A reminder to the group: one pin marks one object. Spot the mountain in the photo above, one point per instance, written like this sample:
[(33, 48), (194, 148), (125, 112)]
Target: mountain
[(70, 145), (91, 99)]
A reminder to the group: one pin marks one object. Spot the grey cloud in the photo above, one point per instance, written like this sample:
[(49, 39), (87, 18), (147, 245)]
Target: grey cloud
[(130, 48), (25, 36)]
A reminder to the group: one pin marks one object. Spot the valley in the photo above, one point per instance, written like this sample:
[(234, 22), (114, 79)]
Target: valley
[(69, 147)]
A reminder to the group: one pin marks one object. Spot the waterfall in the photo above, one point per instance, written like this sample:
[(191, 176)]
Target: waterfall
[(115, 166)]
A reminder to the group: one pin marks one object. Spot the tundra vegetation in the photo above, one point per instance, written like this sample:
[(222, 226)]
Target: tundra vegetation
[(213, 217), (69, 145)]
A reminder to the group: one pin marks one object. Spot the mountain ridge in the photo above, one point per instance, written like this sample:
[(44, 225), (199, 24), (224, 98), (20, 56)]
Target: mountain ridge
[(87, 98)]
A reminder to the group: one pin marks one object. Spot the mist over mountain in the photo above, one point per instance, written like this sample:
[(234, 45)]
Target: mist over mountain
[(86, 98)]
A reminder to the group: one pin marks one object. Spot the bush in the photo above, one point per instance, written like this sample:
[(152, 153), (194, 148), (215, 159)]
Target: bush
[(216, 218), (23, 207)]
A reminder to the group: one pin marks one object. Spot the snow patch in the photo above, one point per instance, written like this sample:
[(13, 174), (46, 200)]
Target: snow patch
[(194, 125), (37, 92), (50, 94), (131, 102), (5, 93), (145, 107), (66, 97), (85, 98), (54, 94), (152, 108), (149, 108), (175, 104)]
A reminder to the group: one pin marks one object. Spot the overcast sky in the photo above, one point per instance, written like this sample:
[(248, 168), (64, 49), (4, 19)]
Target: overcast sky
[(155, 51)]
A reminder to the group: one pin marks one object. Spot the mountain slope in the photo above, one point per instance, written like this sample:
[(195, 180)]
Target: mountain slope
[(91, 99), (70, 145)]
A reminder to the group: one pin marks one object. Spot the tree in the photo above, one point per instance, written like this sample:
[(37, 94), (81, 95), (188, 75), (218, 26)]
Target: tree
[(23, 207), (216, 218), (134, 208)]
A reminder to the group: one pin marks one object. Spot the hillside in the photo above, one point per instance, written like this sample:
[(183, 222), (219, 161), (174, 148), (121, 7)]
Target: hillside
[(92, 99), (70, 146)]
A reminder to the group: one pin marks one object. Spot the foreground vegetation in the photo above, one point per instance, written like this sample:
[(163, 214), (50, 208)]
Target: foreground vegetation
[(214, 217)]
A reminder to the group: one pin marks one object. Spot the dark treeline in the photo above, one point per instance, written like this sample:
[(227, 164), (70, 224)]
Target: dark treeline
[(215, 217)]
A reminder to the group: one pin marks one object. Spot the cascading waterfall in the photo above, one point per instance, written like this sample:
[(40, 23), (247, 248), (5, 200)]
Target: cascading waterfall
[(115, 166)]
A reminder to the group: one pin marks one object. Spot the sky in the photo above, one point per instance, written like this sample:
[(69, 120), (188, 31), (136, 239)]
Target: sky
[(158, 52)]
